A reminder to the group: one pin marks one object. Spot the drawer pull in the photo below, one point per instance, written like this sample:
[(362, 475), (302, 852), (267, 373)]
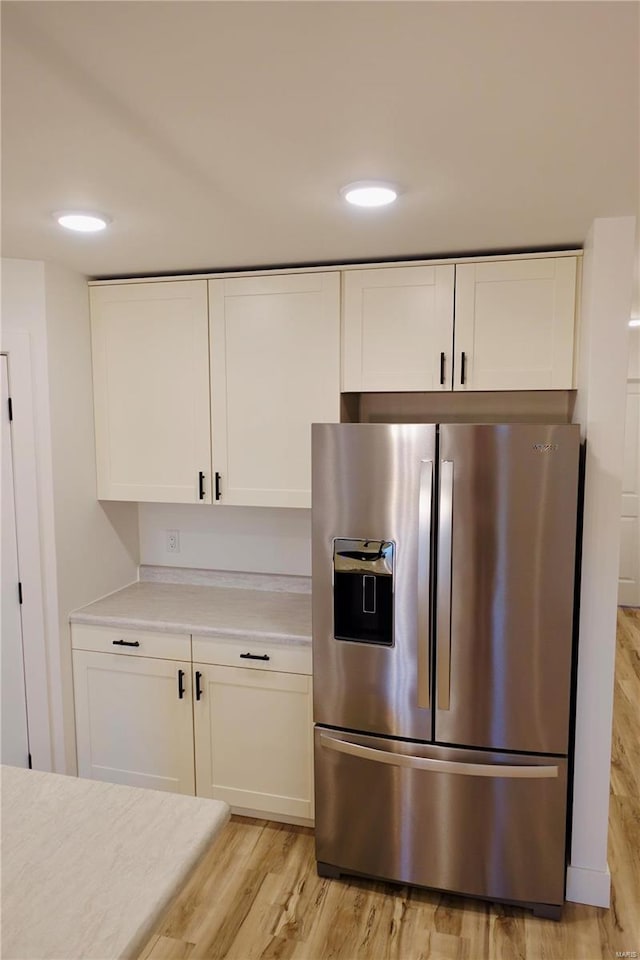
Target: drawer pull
[(255, 656), (126, 643), (180, 684)]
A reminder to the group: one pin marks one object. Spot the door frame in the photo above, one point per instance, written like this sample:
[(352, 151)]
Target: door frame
[(16, 347)]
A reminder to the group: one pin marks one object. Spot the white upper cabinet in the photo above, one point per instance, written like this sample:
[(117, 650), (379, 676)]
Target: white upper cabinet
[(151, 391), (397, 331), (514, 324), (275, 349)]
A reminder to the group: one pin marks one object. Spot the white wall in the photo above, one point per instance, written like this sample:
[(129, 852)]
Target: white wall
[(252, 539), (86, 550), (96, 543), (608, 269)]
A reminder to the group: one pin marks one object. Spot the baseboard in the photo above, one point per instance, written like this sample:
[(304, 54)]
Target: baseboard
[(589, 886)]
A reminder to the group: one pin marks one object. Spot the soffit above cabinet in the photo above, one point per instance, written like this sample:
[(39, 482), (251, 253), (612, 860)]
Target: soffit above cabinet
[(328, 267)]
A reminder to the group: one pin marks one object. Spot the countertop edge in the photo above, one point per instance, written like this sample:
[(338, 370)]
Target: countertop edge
[(141, 936), (195, 630)]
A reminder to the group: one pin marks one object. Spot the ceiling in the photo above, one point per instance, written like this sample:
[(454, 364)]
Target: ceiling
[(217, 134)]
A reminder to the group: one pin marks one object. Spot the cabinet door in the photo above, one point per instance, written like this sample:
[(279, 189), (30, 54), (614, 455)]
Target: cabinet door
[(132, 726), (515, 324), (275, 359), (253, 737), (398, 329), (151, 391)]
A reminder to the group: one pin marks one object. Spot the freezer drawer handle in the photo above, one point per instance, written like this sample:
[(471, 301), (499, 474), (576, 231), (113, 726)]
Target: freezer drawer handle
[(497, 770)]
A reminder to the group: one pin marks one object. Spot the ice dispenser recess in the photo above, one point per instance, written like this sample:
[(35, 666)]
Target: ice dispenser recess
[(363, 590)]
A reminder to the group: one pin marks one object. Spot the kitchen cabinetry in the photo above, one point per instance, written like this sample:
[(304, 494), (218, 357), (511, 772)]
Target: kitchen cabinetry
[(275, 348), (151, 391), (509, 326), (133, 712), (397, 331), (514, 324), (253, 722), (234, 723)]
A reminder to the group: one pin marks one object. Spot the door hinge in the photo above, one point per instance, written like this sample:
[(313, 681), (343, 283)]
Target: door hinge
[(10, 409), (19, 592), (30, 763)]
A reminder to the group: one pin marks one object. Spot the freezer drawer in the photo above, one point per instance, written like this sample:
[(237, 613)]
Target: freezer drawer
[(470, 822)]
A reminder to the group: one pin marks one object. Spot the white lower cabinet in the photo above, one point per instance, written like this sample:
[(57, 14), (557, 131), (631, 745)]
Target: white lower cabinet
[(242, 734), (134, 720), (253, 736)]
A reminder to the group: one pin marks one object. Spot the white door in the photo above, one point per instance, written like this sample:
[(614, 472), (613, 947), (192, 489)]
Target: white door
[(134, 722), (397, 331), (15, 735), (150, 346), (514, 324), (275, 370), (253, 738), (629, 582)]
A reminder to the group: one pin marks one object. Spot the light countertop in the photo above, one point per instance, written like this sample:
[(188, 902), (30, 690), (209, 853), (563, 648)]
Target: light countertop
[(89, 867), (203, 609)]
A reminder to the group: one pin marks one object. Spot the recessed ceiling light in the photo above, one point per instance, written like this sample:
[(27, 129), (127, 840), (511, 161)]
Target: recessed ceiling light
[(369, 193), (82, 222), (634, 322)]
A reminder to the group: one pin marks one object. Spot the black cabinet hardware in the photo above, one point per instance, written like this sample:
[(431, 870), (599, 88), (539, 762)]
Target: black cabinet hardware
[(442, 367), (255, 656), (463, 367), (126, 643), (10, 409), (201, 485), (180, 684), (198, 687), (218, 494)]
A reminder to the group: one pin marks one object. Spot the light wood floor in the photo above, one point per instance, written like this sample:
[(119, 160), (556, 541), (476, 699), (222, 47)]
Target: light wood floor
[(256, 893)]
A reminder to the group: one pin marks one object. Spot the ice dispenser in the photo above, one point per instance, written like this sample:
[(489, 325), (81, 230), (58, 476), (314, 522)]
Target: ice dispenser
[(363, 590)]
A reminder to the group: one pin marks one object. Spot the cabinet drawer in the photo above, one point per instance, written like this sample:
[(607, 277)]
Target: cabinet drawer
[(232, 653), (133, 643)]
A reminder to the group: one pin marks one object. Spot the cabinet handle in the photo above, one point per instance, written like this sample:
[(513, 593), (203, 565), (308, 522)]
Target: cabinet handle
[(463, 367), (255, 656), (201, 485), (126, 643), (442, 368), (180, 684), (218, 494), (198, 687)]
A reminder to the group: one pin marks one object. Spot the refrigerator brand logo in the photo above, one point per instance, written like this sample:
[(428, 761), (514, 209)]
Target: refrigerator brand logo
[(545, 447)]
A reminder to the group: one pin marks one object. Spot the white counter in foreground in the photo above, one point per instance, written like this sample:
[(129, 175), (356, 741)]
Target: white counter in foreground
[(88, 867)]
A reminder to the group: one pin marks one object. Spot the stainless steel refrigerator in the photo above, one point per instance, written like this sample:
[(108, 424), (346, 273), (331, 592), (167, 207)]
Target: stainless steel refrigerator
[(443, 584)]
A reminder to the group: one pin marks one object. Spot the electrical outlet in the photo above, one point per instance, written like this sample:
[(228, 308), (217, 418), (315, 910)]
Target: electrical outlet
[(173, 541)]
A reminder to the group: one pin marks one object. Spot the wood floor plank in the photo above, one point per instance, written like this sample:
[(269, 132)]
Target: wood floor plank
[(256, 894), (167, 948)]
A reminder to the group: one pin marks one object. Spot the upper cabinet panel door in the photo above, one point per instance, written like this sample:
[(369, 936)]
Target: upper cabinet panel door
[(515, 324), (151, 391), (398, 329), (275, 370)]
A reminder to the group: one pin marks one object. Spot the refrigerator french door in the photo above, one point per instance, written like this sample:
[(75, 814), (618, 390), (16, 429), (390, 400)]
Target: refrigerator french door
[(443, 571)]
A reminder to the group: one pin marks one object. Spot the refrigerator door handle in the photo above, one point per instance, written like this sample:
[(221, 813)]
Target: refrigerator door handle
[(445, 543), (424, 576), (497, 770)]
